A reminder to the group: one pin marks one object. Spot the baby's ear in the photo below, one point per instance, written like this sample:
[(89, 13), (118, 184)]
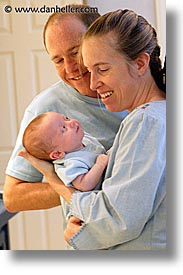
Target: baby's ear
[(56, 155)]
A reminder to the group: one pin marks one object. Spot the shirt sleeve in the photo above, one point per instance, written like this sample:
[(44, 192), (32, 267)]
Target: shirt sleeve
[(118, 213), (70, 169)]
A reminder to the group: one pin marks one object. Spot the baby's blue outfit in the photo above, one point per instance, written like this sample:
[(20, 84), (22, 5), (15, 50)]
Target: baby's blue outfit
[(77, 163)]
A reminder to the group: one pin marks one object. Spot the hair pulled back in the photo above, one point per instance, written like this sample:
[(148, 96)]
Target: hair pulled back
[(134, 35)]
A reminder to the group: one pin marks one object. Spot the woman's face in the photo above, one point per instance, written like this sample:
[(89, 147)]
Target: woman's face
[(113, 79)]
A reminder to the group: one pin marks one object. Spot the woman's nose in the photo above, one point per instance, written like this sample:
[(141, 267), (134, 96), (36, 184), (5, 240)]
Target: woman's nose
[(94, 82)]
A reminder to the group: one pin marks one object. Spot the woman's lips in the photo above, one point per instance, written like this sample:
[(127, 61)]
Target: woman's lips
[(106, 94)]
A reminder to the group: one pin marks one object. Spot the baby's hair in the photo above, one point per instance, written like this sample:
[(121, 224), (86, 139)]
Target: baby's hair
[(35, 143)]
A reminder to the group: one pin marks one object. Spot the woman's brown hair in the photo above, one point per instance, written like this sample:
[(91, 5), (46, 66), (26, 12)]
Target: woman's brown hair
[(134, 35)]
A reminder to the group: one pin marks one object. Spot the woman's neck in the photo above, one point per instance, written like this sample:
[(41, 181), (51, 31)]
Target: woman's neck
[(147, 92)]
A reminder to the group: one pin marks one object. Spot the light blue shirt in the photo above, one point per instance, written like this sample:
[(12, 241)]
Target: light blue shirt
[(129, 213), (62, 98), (77, 163)]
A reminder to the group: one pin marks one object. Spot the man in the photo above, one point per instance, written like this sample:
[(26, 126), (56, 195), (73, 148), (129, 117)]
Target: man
[(24, 189)]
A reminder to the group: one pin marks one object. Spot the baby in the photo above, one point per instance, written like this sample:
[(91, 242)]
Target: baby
[(78, 158)]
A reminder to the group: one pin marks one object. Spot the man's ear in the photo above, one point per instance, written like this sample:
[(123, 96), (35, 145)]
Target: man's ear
[(142, 63), (56, 155)]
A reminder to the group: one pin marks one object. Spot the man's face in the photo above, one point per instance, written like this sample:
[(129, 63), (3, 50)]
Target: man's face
[(63, 40)]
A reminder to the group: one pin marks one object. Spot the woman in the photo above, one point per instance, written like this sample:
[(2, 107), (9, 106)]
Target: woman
[(121, 52)]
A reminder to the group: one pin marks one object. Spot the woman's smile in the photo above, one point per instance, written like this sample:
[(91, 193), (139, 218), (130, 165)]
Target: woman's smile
[(106, 94)]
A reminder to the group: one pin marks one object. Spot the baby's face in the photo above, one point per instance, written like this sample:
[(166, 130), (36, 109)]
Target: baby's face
[(66, 133)]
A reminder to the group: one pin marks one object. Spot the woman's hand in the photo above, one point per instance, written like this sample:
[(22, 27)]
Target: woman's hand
[(45, 167), (73, 226)]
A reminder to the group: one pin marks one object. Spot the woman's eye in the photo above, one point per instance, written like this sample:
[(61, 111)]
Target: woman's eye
[(75, 53), (103, 70), (67, 118)]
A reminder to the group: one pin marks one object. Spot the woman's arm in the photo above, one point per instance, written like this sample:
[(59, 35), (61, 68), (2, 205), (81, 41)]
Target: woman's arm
[(133, 190)]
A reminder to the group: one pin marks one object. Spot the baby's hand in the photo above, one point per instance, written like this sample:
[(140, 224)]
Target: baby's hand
[(102, 160)]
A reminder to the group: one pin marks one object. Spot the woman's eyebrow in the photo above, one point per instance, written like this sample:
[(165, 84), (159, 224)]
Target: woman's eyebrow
[(100, 63)]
